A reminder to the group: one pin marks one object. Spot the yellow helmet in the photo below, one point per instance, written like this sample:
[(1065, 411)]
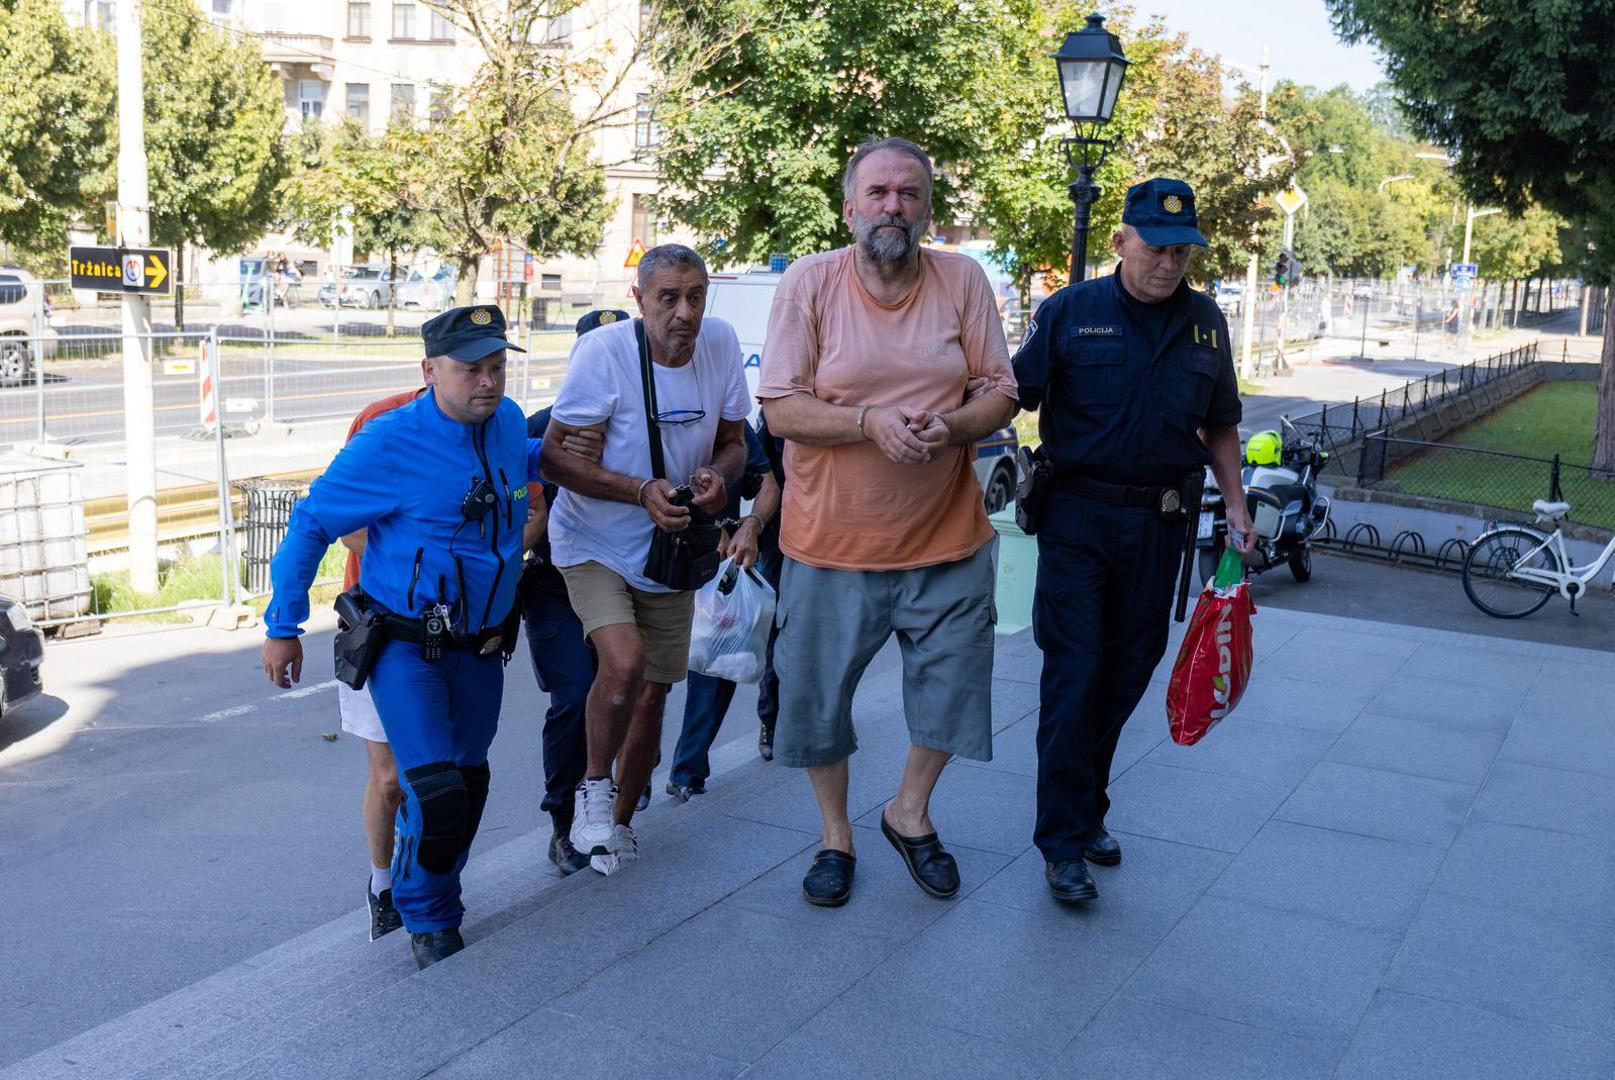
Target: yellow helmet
[(1264, 448)]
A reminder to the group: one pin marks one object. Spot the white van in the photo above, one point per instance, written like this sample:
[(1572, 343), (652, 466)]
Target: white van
[(743, 301)]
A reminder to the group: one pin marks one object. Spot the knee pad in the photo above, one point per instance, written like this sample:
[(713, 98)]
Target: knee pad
[(445, 805), (476, 787)]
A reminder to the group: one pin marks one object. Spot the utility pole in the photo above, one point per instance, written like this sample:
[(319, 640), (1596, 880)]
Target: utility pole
[(1248, 323), (134, 230)]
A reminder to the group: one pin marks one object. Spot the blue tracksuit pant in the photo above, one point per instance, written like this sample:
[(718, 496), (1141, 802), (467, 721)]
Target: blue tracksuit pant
[(440, 719)]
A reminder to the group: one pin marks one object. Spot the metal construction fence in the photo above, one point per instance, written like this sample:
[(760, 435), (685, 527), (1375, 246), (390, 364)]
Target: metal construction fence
[(1486, 477), (1338, 427)]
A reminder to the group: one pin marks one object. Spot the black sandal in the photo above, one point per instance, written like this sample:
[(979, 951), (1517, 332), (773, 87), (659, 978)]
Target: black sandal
[(829, 880), (928, 862)]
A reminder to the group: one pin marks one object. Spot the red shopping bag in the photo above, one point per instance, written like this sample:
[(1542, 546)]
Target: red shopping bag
[(1214, 664)]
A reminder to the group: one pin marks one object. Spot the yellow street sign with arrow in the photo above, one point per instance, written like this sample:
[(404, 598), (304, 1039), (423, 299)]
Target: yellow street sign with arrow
[(130, 270)]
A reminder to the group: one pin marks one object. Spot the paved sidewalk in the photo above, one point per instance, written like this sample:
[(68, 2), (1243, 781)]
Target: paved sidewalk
[(1391, 861)]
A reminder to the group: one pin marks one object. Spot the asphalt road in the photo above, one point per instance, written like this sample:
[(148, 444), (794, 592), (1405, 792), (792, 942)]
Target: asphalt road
[(83, 400)]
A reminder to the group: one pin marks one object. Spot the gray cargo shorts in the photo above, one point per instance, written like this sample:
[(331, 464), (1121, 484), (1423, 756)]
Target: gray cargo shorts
[(833, 622)]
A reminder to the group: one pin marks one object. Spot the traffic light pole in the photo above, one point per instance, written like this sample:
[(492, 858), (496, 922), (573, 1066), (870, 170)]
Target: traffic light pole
[(134, 230)]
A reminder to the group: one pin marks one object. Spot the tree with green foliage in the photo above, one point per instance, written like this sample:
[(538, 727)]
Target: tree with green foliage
[(348, 181), (1520, 90), (756, 147), (56, 116), (215, 114), (512, 156)]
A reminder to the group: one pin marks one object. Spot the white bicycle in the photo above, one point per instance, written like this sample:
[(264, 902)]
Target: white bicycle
[(1513, 570)]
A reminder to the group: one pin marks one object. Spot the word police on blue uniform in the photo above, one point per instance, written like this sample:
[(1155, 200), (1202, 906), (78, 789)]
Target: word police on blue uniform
[(1136, 383), (441, 487)]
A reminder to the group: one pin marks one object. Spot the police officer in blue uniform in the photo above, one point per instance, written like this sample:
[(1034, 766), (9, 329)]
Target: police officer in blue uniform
[(440, 486), (1135, 378)]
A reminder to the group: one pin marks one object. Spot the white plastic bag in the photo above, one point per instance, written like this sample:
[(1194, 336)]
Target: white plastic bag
[(733, 614)]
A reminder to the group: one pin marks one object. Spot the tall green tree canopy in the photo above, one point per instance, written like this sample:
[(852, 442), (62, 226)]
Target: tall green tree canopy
[(1520, 91), (756, 146), (753, 148), (56, 115)]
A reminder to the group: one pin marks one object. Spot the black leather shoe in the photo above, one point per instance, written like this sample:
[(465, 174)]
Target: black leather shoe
[(1069, 881), (928, 862), (765, 742), (567, 859), (384, 918), (1102, 849), (437, 945), (829, 880)]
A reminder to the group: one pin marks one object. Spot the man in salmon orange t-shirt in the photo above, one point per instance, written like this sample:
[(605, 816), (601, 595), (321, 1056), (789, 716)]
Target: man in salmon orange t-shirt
[(359, 718), (870, 352)]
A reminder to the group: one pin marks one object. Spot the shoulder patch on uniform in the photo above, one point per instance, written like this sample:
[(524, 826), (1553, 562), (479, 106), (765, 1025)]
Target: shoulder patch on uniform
[(1205, 338), (1097, 331)]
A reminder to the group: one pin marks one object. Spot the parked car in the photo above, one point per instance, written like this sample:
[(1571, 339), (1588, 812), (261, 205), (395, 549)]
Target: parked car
[(743, 301), (368, 286), (25, 331), (22, 650), (430, 292)]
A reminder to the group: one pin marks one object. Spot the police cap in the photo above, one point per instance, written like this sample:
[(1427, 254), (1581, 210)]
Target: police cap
[(599, 317), (1162, 210), (467, 334)]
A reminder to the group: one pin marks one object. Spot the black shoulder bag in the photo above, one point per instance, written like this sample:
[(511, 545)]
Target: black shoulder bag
[(686, 559)]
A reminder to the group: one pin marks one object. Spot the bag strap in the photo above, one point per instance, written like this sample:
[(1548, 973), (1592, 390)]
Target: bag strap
[(647, 381)]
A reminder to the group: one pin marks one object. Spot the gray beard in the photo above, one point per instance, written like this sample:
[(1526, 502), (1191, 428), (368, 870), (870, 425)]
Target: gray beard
[(885, 247)]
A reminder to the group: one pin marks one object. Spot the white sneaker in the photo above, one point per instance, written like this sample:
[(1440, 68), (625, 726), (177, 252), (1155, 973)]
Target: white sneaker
[(592, 809), (624, 850)]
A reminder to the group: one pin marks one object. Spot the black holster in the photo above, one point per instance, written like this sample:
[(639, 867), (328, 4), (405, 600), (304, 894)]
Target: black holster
[(1032, 487), (359, 638), (1194, 487)]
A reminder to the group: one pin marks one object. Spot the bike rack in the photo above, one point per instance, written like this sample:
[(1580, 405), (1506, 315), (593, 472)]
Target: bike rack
[(1361, 528), (1460, 548), (1413, 540)]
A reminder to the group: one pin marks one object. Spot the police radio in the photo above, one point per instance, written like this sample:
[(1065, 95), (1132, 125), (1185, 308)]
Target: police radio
[(479, 500)]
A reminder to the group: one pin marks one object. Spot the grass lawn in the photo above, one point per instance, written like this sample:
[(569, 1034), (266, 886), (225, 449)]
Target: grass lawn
[(1554, 418), (198, 578)]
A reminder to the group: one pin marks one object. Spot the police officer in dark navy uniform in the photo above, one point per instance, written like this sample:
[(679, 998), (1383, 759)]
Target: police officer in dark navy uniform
[(1135, 379), (441, 487)]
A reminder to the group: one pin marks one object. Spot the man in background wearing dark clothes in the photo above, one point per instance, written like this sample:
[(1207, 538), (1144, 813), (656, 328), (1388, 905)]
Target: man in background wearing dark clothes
[(562, 660), (706, 698)]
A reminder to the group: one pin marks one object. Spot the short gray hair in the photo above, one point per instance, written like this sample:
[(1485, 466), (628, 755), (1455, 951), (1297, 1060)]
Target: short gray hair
[(664, 255), (903, 146)]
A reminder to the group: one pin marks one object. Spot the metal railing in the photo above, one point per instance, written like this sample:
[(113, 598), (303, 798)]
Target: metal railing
[(1489, 478), (1339, 427)]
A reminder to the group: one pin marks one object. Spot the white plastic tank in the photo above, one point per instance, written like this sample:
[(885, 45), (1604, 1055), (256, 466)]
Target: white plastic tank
[(42, 556)]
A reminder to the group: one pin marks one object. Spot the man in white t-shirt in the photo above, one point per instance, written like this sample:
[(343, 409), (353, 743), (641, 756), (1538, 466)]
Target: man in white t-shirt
[(606, 513)]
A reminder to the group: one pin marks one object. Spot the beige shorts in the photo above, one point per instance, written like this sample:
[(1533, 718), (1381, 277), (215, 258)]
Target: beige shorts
[(600, 597)]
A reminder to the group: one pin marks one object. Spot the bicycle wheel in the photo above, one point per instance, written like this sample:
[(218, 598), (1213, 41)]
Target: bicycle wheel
[(1491, 564)]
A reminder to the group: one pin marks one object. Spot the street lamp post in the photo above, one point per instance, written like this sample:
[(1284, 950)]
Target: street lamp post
[(1466, 301), (1092, 67)]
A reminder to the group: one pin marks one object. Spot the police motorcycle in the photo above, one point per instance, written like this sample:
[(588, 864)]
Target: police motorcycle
[(1281, 487)]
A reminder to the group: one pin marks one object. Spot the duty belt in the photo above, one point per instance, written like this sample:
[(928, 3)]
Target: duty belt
[(400, 628), (1166, 499)]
